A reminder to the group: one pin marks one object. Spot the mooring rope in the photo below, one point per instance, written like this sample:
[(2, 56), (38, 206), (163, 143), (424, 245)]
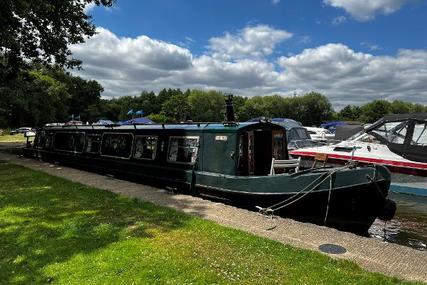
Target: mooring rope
[(269, 211), (331, 184)]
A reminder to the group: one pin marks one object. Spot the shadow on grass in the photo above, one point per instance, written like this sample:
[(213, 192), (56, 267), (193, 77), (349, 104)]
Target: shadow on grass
[(46, 220)]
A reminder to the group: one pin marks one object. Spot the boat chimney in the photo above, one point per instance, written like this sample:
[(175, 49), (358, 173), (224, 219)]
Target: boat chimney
[(229, 110)]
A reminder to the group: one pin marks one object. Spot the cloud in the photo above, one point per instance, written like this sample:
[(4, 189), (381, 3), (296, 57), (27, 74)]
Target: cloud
[(128, 62), (364, 10), (354, 77), (256, 41), (89, 7), (126, 66), (339, 20), (370, 46)]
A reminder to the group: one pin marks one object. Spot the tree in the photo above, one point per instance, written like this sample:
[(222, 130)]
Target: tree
[(375, 110), (176, 108), (206, 106), (239, 103), (147, 101), (349, 113), (165, 94), (42, 30), (312, 109)]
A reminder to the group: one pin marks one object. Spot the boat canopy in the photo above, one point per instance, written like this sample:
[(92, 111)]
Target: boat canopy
[(404, 134), (138, 121), (287, 123), (420, 117)]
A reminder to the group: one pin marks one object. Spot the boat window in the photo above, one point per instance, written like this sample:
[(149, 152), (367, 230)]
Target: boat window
[(398, 135), (370, 139), (183, 149), (419, 138), (72, 142), (145, 147), (117, 145), (93, 143), (393, 132)]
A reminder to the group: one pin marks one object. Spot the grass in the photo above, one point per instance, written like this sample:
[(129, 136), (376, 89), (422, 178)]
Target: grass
[(53, 231), (12, 138)]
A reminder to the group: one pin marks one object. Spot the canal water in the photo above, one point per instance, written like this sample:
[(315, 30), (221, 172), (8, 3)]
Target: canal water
[(409, 226)]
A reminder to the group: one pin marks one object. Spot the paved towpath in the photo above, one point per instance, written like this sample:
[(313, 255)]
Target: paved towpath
[(372, 254)]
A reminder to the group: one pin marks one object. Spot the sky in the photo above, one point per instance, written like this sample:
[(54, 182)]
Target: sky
[(351, 51)]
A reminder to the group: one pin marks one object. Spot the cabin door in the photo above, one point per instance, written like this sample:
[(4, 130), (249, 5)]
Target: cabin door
[(251, 153), (279, 144)]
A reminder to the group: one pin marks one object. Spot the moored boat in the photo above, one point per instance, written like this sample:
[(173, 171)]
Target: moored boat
[(246, 164), (398, 142)]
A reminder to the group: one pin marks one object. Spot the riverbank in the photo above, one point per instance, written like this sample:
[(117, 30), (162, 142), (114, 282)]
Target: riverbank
[(372, 254)]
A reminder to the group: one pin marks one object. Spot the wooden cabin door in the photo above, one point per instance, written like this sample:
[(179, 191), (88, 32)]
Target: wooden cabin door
[(251, 153), (278, 144)]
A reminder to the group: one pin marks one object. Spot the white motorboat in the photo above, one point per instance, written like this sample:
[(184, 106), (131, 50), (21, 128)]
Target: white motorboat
[(396, 141)]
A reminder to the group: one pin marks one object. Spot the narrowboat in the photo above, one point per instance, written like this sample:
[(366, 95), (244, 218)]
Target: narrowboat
[(245, 164)]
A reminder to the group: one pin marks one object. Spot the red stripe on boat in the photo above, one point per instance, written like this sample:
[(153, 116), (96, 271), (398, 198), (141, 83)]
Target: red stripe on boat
[(365, 159)]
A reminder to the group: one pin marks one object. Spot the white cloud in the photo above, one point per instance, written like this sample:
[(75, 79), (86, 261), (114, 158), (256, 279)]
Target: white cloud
[(89, 7), (353, 77), (339, 20), (254, 41), (364, 10), (370, 46), (126, 66)]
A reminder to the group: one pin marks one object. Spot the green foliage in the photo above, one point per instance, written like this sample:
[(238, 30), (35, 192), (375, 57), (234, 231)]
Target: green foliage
[(310, 109), (375, 110), (53, 231), (42, 30), (43, 95), (206, 106), (372, 111), (177, 108), (159, 118), (349, 113)]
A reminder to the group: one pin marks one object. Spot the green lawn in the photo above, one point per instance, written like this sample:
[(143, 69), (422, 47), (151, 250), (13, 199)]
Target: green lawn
[(12, 138), (53, 231)]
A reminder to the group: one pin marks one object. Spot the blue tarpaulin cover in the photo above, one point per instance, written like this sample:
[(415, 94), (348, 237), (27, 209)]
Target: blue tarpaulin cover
[(145, 121)]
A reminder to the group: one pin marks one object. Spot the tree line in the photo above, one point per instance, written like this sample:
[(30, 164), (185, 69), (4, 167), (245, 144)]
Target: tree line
[(45, 94)]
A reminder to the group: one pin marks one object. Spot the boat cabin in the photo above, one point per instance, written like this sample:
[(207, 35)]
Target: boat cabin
[(233, 149)]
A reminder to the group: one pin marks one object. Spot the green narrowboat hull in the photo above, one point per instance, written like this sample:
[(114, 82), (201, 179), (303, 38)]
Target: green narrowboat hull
[(355, 201)]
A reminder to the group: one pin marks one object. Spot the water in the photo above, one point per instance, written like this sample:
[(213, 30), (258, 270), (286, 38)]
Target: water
[(409, 226)]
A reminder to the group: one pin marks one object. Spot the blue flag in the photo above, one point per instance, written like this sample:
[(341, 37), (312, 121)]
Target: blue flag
[(130, 112), (140, 112)]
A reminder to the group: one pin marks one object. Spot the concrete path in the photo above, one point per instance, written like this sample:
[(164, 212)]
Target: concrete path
[(372, 254)]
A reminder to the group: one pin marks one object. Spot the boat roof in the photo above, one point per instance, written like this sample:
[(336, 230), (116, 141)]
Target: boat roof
[(184, 126), (398, 117)]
